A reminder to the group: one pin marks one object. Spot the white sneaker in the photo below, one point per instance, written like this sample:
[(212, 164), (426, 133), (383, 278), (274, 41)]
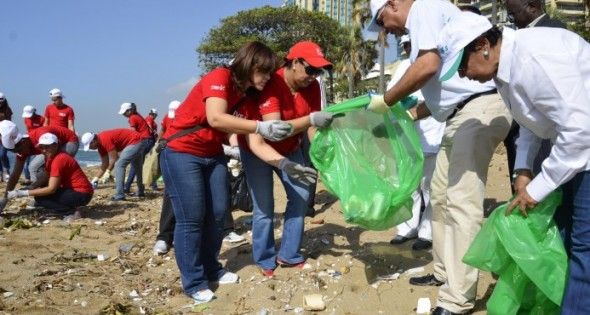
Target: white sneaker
[(229, 277), (160, 248), (203, 296), (234, 237)]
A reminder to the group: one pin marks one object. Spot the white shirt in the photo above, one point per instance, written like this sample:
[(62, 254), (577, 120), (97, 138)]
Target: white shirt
[(547, 89), (425, 21), (429, 130)]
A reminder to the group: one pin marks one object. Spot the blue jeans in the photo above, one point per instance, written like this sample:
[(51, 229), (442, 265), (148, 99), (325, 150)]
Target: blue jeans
[(149, 144), (132, 154), (26, 168), (199, 192), (259, 176), (64, 200), (573, 220), (4, 162)]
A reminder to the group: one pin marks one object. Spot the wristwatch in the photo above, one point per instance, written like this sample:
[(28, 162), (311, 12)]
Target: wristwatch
[(520, 171)]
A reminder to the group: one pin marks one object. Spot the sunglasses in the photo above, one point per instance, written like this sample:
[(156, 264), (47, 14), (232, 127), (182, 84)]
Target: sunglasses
[(311, 71)]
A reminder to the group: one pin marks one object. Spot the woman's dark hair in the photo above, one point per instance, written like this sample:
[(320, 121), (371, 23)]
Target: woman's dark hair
[(470, 8), (493, 35), (252, 57)]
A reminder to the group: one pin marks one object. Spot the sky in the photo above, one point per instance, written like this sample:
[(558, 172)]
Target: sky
[(104, 53)]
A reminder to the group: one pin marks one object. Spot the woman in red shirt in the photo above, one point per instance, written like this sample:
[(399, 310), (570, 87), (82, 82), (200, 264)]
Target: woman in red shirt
[(68, 186), (32, 122), (194, 166), (137, 123), (293, 94)]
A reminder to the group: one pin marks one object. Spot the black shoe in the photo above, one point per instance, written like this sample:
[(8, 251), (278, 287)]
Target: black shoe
[(441, 311), (422, 244), (310, 212), (398, 239), (427, 280)]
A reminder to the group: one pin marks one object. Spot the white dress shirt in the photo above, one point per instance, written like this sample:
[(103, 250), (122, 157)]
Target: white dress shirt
[(429, 129), (425, 21), (544, 78)]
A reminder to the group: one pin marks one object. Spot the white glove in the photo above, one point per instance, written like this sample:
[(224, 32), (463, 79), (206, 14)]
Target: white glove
[(17, 194), (232, 151), (300, 173), (274, 130), (105, 177), (322, 119), (94, 181), (377, 104)]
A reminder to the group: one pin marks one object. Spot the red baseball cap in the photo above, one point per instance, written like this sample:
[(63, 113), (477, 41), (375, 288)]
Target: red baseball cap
[(310, 52)]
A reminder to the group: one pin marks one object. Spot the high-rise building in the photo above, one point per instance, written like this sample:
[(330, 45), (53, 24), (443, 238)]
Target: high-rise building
[(339, 10), (570, 11)]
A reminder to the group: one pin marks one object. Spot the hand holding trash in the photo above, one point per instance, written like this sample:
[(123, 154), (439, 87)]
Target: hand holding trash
[(274, 130), (106, 177), (302, 174), (322, 119), (377, 104), (17, 194)]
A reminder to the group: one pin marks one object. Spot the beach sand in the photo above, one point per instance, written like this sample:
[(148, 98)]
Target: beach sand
[(103, 263)]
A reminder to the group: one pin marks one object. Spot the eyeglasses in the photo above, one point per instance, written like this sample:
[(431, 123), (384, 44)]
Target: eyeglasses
[(311, 71), (379, 18)]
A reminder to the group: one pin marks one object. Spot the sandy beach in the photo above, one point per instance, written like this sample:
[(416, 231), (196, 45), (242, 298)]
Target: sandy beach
[(103, 263)]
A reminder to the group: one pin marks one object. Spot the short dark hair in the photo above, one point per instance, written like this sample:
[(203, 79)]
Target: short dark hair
[(493, 35), (253, 56)]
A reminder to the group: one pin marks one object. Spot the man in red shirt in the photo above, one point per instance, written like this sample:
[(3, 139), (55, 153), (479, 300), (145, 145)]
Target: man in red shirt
[(151, 121), (26, 145), (67, 188), (139, 124), (59, 113), (32, 121), (117, 149)]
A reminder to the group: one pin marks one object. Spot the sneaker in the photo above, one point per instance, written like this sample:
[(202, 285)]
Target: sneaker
[(285, 264), (72, 217), (234, 237), (33, 206), (203, 296), (160, 248), (6, 177), (269, 273), (229, 277)]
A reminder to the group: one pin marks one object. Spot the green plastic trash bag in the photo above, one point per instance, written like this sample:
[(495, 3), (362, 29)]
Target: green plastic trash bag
[(374, 177), (528, 255)]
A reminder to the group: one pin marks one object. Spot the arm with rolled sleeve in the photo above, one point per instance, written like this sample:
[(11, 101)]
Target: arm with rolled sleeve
[(559, 93)]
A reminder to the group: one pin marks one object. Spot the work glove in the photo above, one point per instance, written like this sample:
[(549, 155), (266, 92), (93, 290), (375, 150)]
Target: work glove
[(377, 104), (300, 173), (409, 101), (94, 182), (17, 194), (322, 119), (105, 177), (231, 151), (274, 130)]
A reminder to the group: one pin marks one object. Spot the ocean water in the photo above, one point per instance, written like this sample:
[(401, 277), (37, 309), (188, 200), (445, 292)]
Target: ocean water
[(85, 159)]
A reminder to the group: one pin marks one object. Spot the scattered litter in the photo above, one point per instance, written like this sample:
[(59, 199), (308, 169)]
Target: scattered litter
[(83, 303), (298, 310), (126, 248), (7, 294), (263, 311), (313, 302), (317, 221), (46, 221), (344, 270), (423, 306), (75, 231), (102, 257), (325, 241), (99, 222), (306, 266), (414, 270), (393, 276)]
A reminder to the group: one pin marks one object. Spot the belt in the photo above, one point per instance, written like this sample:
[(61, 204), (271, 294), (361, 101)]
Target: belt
[(464, 102)]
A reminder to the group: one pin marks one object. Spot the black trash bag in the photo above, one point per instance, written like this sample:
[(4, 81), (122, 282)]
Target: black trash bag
[(239, 194)]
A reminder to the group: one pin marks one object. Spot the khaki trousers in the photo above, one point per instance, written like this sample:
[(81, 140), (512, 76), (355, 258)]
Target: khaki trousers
[(458, 190)]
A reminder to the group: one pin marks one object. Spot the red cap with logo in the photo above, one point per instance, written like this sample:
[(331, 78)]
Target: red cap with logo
[(310, 52)]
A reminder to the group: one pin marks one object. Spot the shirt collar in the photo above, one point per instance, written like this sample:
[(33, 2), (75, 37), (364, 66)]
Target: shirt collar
[(506, 55), (535, 21)]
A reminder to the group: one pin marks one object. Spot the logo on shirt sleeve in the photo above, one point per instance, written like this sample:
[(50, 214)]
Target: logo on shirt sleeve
[(265, 104), (218, 87)]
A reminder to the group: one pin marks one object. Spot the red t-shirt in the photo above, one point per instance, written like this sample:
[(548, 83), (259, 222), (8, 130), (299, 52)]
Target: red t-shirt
[(277, 97), (140, 125), (64, 135), (59, 116), (205, 142), (116, 139), (69, 172), (152, 123), (34, 122), (166, 123)]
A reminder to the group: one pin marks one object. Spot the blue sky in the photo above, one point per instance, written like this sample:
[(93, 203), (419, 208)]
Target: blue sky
[(103, 53)]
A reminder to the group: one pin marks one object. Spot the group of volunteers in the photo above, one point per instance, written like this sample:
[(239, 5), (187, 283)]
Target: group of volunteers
[(477, 78), (475, 85)]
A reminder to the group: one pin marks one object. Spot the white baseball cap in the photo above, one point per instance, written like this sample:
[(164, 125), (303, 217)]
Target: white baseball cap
[(86, 139), (56, 93), (172, 108), (2, 96), (376, 5), (461, 30), (47, 139), (153, 111), (9, 134), (125, 107), (28, 111)]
